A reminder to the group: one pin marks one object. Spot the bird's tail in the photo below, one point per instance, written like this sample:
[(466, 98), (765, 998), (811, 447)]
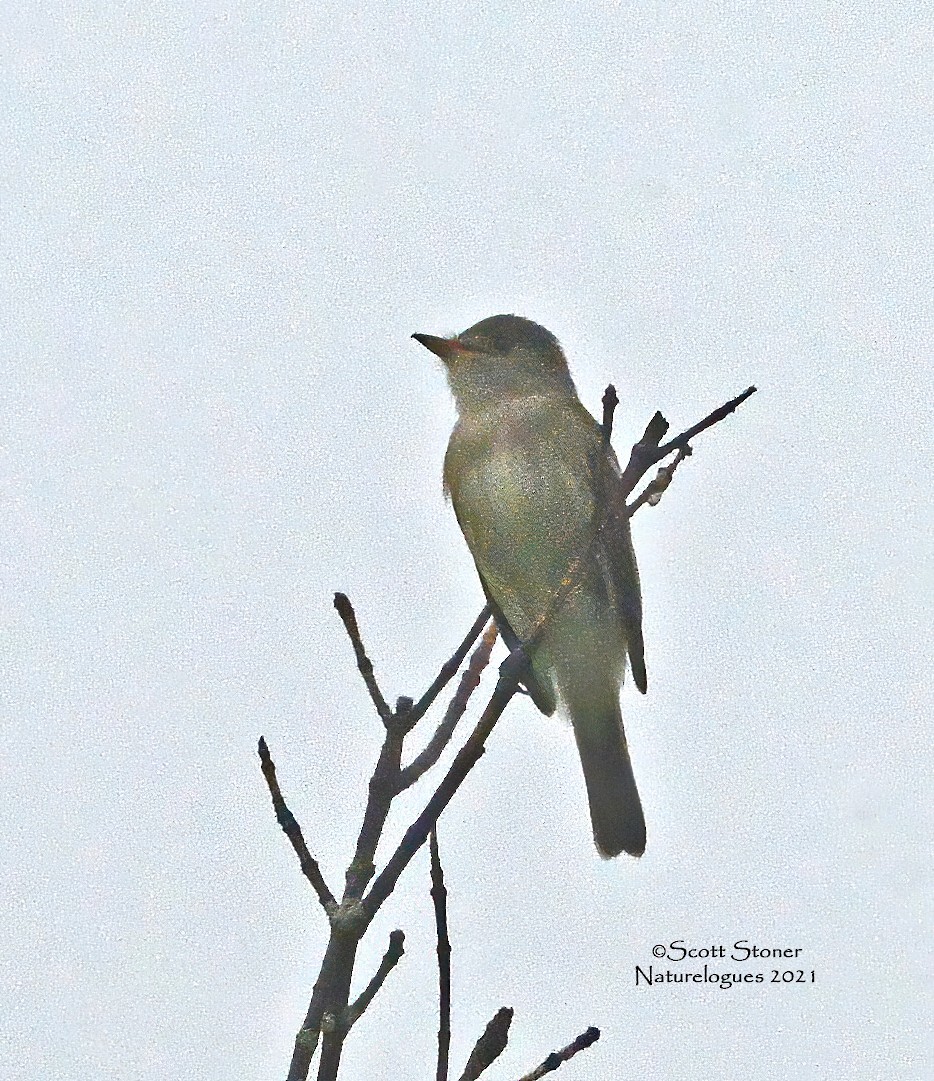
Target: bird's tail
[(615, 808)]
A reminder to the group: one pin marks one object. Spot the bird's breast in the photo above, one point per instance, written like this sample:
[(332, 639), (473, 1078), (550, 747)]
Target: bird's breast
[(522, 490)]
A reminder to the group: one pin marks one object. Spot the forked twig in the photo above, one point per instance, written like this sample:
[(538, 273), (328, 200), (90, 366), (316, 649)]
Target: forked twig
[(643, 456), (450, 667), (326, 1019)]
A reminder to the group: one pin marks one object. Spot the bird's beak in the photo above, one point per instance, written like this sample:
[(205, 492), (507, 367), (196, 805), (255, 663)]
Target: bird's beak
[(445, 348)]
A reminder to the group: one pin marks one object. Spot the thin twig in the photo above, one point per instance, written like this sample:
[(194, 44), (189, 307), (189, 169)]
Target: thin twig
[(490, 1045), (449, 668), (439, 897), (365, 665), (650, 449), (556, 1058), (652, 493), (709, 421), (470, 680), (390, 960), (293, 831)]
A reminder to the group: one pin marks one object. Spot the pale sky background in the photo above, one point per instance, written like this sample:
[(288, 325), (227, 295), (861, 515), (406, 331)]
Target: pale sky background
[(221, 223)]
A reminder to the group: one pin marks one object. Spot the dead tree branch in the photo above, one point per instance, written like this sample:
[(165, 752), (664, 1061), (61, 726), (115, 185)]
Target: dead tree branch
[(328, 1011), (329, 1016)]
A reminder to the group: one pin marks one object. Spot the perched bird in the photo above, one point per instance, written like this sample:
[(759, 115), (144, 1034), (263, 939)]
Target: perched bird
[(530, 477)]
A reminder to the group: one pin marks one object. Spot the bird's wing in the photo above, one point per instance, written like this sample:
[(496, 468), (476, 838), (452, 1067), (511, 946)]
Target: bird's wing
[(619, 558)]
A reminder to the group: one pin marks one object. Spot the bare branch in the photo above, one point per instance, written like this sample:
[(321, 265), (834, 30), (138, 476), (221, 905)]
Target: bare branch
[(365, 665), (439, 896), (328, 1001), (330, 996), (293, 831), (470, 680), (448, 669), (490, 1045), (390, 959), (466, 758), (556, 1058), (389, 779), (643, 456), (650, 449)]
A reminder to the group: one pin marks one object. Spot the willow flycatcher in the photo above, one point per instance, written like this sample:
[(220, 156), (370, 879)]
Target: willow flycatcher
[(531, 479)]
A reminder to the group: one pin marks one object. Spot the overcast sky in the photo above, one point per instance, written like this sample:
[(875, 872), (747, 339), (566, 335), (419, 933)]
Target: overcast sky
[(221, 223)]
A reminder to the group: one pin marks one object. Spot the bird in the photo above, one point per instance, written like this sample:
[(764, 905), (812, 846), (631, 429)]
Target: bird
[(532, 481)]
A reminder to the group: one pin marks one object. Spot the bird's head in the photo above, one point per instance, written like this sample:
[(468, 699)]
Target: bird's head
[(504, 356)]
